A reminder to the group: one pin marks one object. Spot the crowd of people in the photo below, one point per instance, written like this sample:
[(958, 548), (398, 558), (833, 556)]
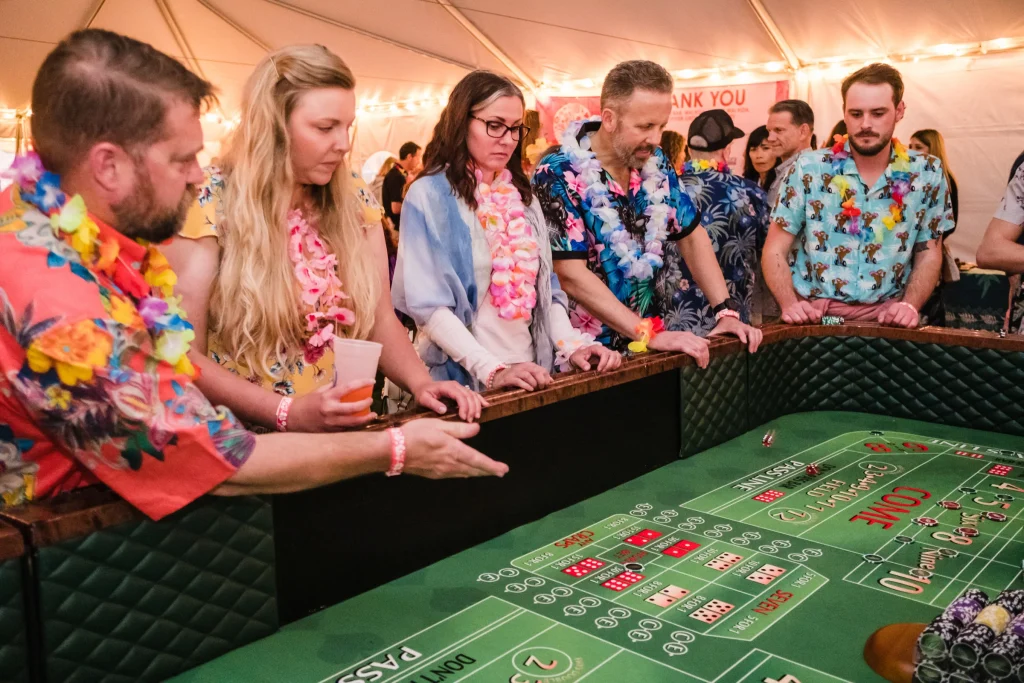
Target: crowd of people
[(205, 364)]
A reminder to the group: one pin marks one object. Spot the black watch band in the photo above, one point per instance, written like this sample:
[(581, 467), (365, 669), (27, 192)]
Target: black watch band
[(729, 304)]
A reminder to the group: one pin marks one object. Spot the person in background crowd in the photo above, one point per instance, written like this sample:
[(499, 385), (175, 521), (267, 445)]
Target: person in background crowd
[(398, 179), (930, 141), (283, 252), (674, 146), (1016, 164), (790, 127), (1003, 245), (838, 129), (760, 159), (533, 143), (870, 217), (94, 348), (377, 186), (733, 210), (474, 263)]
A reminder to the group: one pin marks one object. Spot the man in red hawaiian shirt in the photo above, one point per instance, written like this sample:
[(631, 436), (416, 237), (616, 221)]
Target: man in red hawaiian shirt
[(95, 381)]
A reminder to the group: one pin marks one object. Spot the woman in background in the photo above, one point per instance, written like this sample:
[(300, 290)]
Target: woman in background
[(760, 159), (674, 146), (930, 141)]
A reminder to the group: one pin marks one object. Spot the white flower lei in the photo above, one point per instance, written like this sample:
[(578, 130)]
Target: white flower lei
[(634, 261)]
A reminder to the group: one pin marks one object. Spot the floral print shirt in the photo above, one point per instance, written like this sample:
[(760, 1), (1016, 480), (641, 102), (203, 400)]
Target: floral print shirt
[(82, 398), (734, 211), (864, 261), (1011, 210), (575, 227)]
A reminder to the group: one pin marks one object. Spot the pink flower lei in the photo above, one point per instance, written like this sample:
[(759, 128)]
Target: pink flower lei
[(515, 254), (316, 270)]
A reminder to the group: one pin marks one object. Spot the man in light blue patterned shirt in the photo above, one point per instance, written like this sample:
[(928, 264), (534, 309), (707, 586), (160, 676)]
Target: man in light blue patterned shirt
[(869, 214)]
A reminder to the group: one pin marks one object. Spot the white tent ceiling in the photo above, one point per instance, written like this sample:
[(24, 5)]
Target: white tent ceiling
[(404, 50)]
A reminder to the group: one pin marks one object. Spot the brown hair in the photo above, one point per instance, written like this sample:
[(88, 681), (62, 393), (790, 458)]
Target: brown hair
[(937, 148), (638, 74), (799, 111), (672, 144), (100, 86), (876, 74), (447, 151)]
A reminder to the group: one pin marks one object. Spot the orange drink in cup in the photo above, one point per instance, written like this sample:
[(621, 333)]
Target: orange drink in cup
[(356, 360)]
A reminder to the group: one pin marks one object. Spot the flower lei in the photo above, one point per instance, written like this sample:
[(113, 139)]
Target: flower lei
[(316, 271), (899, 186), (635, 261), (157, 306), (703, 165), (515, 254)]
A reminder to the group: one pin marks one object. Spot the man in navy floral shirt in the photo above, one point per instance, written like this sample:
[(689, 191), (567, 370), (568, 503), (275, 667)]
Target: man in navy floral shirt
[(733, 210), (612, 202)]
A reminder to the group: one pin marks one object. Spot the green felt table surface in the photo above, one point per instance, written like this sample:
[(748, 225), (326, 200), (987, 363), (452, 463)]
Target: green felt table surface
[(507, 611)]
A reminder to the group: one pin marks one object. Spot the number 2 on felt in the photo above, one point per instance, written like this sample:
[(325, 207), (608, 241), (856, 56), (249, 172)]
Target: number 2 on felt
[(788, 678), (547, 667), (992, 503)]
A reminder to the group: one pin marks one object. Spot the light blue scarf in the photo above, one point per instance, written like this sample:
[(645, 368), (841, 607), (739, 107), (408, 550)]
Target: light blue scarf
[(435, 270)]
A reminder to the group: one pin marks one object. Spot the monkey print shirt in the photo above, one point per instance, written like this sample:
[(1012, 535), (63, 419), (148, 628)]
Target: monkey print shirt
[(858, 261)]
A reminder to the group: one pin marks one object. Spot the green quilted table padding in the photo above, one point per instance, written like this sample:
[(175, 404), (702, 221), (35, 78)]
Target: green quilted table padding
[(714, 403), (144, 601), (13, 649), (952, 385)]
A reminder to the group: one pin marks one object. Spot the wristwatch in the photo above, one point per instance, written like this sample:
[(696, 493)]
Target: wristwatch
[(729, 304)]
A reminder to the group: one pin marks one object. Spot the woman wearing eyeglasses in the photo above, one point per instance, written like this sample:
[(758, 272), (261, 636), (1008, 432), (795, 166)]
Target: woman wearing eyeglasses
[(284, 252), (474, 263)]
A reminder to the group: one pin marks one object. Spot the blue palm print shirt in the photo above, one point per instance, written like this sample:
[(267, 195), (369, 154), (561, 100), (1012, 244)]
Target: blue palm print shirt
[(734, 211)]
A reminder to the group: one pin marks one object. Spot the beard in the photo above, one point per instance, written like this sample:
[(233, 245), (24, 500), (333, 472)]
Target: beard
[(140, 217), (628, 154), (871, 146)]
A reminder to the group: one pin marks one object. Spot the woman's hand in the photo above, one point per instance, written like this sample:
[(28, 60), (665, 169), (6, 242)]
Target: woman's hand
[(324, 411), (529, 376), (469, 402), (606, 358)]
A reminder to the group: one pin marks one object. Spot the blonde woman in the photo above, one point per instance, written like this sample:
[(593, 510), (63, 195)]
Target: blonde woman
[(930, 141), (285, 251)]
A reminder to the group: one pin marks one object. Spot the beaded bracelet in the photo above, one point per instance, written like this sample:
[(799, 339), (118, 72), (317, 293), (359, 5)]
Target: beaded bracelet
[(282, 413), (397, 451), (727, 313), (494, 373)]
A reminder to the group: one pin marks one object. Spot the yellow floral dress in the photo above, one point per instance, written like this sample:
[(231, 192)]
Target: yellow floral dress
[(316, 368)]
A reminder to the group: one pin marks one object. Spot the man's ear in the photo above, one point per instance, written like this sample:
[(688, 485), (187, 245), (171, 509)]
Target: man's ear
[(107, 165), (901, 110)]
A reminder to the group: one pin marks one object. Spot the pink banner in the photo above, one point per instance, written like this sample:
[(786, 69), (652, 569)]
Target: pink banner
[(747, 104)]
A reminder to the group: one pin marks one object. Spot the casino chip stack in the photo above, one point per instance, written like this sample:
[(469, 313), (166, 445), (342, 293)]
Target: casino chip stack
[(974, 640)]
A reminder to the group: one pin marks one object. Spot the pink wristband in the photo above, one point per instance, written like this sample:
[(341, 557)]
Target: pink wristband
[(397, 451), (282, 413), (727, 313), (493, 374)]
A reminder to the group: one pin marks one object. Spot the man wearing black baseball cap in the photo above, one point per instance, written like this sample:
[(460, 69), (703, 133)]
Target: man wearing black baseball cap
[(735, 213)]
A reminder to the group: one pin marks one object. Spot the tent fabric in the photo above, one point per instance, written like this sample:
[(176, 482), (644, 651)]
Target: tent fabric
[(405, 50)]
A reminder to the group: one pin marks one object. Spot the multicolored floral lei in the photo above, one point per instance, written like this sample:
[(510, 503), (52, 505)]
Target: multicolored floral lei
[(898, 186), (704, 165), (157, 307), (635, 260), (317, 273), (515, 254)]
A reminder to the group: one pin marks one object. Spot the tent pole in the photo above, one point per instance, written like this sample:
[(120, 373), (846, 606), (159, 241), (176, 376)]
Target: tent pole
[(776, 35), (233, 24), (368, 34), (488, 44)]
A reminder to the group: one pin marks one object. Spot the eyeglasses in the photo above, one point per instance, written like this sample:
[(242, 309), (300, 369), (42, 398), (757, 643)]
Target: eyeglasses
[(497, 129)]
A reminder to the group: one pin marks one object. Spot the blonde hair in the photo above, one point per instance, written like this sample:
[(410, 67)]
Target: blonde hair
[(256, 310), (937, 148)]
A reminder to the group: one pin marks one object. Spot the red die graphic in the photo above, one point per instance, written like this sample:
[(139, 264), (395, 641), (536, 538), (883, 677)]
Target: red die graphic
[(769, 496), (680, 548), (1000, 470), (583, 567), (968, 454)]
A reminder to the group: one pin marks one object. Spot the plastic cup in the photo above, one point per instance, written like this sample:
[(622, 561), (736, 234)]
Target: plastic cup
[(356, 360)]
